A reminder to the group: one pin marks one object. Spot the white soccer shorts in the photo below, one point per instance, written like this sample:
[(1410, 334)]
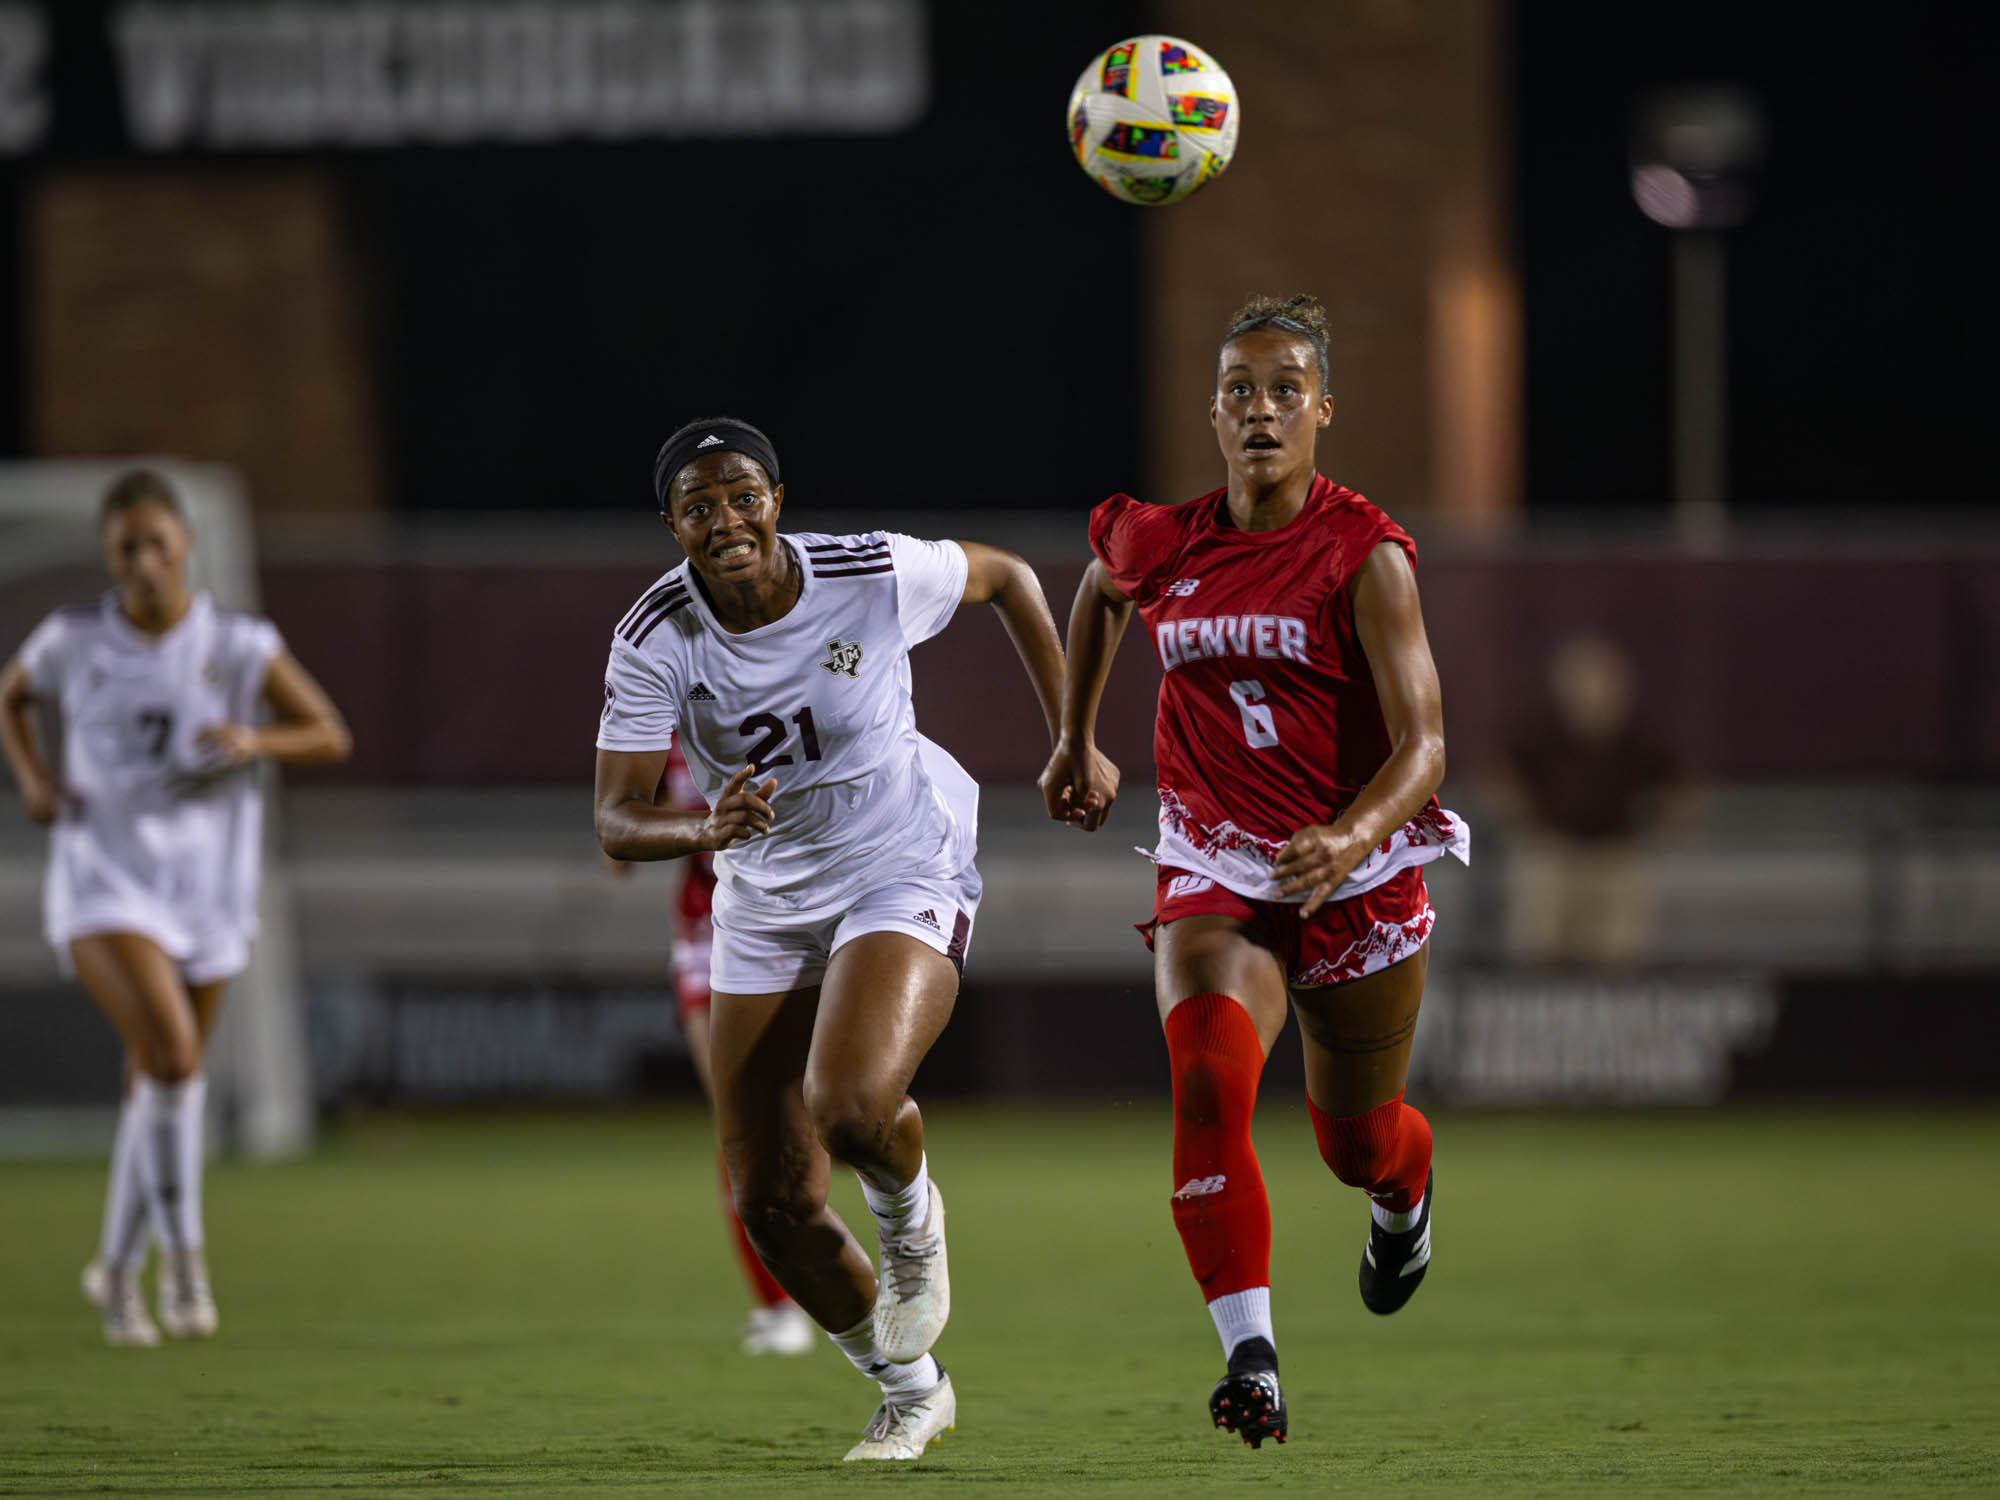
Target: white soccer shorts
[(754, 954)]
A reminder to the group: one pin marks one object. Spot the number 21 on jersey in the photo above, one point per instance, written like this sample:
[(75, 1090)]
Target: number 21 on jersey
[(769, 731), (1260, 730)]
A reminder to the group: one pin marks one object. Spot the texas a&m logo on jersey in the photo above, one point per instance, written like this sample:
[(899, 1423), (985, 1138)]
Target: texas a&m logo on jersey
[(843, 656)]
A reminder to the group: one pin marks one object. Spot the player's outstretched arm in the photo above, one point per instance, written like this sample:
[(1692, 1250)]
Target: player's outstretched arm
[(630, 825), (1080, 784), (1390, 621), (1011, 587), (41, 794), (307, 731)]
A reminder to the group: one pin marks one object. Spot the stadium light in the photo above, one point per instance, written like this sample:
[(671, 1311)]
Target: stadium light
[(1696, 153)]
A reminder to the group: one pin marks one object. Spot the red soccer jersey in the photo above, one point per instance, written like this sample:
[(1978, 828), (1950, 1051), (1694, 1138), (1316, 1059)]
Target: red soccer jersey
[(698, 884), (1268, 720)]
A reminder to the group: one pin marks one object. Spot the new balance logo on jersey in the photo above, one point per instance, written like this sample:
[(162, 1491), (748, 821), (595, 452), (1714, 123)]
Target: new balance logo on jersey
[(699, 693), (1180, 588), (711, 441), (1187, 885), (843, 656), (928, 918), (1201, 1187), (1183, 641)]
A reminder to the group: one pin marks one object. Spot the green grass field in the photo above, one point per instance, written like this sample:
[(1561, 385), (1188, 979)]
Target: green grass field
[(1785, 1304)]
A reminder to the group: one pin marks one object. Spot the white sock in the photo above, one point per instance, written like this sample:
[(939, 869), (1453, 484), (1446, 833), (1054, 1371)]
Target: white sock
[(1243, 1315), (169, 1152), (858, 1344), (1398, 1223), (121, 1245), (898, 1210)]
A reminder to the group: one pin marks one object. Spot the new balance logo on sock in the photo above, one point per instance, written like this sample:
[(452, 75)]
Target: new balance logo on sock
[(1201, 1187), (711, 441), (928, 918), (699, 693)]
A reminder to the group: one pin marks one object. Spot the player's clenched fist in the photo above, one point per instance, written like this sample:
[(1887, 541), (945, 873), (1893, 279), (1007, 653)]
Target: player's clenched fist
[(1316, 859), (1079, 785), (741, 810)]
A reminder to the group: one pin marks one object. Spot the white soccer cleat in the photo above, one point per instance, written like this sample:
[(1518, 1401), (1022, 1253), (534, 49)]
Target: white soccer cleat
[(901, 1430), (187, 1307), (913, 1297), (784, 1330), (115, 1294)]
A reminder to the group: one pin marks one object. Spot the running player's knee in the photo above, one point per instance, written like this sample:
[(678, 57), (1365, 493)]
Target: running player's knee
[(171, 1057), (853, 1128)]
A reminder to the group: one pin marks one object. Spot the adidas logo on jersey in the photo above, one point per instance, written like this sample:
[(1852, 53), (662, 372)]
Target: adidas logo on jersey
[(928, 918), (699, 693), (711, 441), (1180, 588), (1201, 1187)]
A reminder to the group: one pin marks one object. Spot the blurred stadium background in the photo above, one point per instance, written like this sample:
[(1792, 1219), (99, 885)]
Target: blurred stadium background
[(1667, 328)]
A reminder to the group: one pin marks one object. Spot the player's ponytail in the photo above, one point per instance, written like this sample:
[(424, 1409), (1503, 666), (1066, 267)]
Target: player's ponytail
[(1299, 313)]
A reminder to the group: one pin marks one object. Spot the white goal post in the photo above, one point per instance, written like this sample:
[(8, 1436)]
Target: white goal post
[(260, 1078)]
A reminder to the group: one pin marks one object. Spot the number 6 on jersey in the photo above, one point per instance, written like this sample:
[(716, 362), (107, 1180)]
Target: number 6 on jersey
[(1259, 728)]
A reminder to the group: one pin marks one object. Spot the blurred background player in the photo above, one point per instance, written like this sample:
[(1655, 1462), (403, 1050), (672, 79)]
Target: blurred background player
[(155, 844), (1299, 740), (841, 924), (1585, 784), (777, 1324)]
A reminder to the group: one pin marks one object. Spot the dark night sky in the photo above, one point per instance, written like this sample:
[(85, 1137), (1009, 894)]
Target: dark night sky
[(1863, 302), (538, 317)]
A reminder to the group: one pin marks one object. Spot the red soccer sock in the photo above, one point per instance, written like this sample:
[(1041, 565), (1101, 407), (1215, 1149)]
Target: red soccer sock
[(763, 1285), (1219, 1204), (1386, 1152)]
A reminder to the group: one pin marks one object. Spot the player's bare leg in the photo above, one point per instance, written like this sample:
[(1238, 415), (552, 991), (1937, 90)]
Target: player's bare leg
[(187, 1314), (759, 1045), (156, 1160), (777, 1324), (1357, 1050), (1222, 1003), (884, 1001), (777, 1167)]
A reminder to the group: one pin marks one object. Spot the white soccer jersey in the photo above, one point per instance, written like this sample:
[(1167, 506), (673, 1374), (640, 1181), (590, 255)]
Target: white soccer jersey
[(161, 841), (820, 700)]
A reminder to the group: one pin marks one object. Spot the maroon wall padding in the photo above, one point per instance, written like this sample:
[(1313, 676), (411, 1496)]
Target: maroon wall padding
[(1752, 667)]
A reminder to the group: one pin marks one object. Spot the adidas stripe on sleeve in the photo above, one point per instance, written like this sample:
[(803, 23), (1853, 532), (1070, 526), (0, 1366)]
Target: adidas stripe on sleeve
[(641, 708)]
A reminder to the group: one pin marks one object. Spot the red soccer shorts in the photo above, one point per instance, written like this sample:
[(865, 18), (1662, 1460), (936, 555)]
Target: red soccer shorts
[(1344, 940)]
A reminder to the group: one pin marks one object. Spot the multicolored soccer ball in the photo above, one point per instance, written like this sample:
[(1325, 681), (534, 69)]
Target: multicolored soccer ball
[(1152, 119)]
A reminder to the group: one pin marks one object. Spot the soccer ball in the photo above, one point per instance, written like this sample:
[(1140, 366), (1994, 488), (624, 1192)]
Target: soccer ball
[(1152, 119)]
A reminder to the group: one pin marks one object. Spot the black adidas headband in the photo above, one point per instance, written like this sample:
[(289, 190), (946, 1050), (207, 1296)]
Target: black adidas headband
[(719, 436)]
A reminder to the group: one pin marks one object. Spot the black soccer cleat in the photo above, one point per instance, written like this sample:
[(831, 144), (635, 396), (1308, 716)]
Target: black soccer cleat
[(1393, 1264), (1248, 1400)]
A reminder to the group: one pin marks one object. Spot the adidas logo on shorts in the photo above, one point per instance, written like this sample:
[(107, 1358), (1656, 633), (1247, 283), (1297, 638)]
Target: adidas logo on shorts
[(1201, 1187), (699, 693), (928, 918)]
